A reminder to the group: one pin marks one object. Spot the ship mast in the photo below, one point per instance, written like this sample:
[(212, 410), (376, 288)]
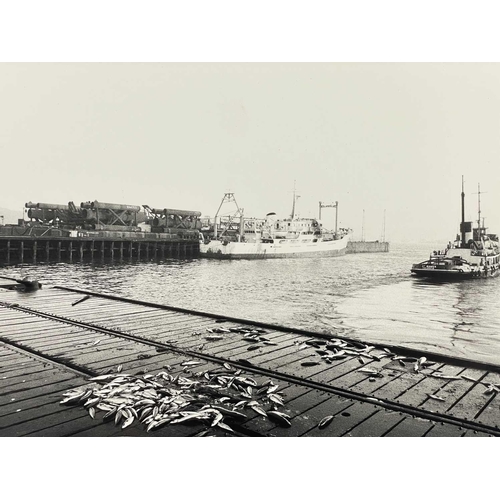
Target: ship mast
[(479, 208), (462, 226), (295, 196), (481, 230)]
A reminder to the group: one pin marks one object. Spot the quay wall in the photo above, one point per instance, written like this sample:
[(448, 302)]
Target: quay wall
[(48, 248), (367, 246)]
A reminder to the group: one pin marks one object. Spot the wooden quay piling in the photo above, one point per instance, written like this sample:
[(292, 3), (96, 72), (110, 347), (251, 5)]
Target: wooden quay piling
[(84, 248), (253, 379)]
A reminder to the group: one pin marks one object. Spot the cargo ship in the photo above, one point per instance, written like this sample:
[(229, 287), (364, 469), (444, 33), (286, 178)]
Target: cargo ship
[(474, 253), (237, 237)]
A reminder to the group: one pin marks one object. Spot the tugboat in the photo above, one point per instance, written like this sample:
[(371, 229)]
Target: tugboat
[(474, 253), (236, 237)]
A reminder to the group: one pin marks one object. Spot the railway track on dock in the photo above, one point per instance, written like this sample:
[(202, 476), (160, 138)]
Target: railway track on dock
[(234, 354)]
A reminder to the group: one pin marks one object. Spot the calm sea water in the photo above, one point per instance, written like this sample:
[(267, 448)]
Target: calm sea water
[(370, 297)]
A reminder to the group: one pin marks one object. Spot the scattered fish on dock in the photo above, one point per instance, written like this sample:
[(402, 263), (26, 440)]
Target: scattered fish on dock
[(437, 398), (492, 388), (325, 422), (209, 397), (214, 337), (337, 349), (250, 334), (370, 371)]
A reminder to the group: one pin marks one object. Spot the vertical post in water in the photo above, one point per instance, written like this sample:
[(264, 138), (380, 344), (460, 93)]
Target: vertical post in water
[(35, 245), (59, 243), (21, 251)]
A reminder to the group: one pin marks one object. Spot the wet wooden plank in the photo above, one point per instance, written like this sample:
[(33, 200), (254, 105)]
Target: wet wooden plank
[(30, 417), (57, 425), (410, 427), (304, 413), (471, 433), (398, 386), (344, 419), (427, 387), (377, 424), (53, 388), (452, 392), (490, 414), (46, 330), (25, 370), (350, 374), (9, 384), (22, 386), (442, 429), (474, 400)]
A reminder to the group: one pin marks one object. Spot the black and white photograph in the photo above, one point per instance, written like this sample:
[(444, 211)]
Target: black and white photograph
[(303, 244)]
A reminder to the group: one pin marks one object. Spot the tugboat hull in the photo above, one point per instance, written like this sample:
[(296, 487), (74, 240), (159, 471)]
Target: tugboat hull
[(444, 275)]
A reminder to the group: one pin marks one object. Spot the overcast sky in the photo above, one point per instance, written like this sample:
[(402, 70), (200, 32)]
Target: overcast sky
[(393, 137)]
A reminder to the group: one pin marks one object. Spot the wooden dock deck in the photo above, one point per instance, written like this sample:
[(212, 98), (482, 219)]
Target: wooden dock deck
[(54, 339)]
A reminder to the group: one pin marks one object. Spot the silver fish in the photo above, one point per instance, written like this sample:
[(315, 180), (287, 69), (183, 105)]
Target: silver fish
[(309, 363), (191, 363), (280, 418), (325, 421), (259, 410), (371, 371), (438, 398), (224, 426), (276, 399), (128, 422)]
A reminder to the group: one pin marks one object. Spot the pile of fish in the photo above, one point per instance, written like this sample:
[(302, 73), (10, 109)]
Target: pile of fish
[(336, 349), (211, 397), (333, 349), (252, 335)]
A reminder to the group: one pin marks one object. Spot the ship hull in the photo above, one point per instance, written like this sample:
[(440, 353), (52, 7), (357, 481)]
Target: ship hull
[(278, 249), (445, 275), (456, 274)]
